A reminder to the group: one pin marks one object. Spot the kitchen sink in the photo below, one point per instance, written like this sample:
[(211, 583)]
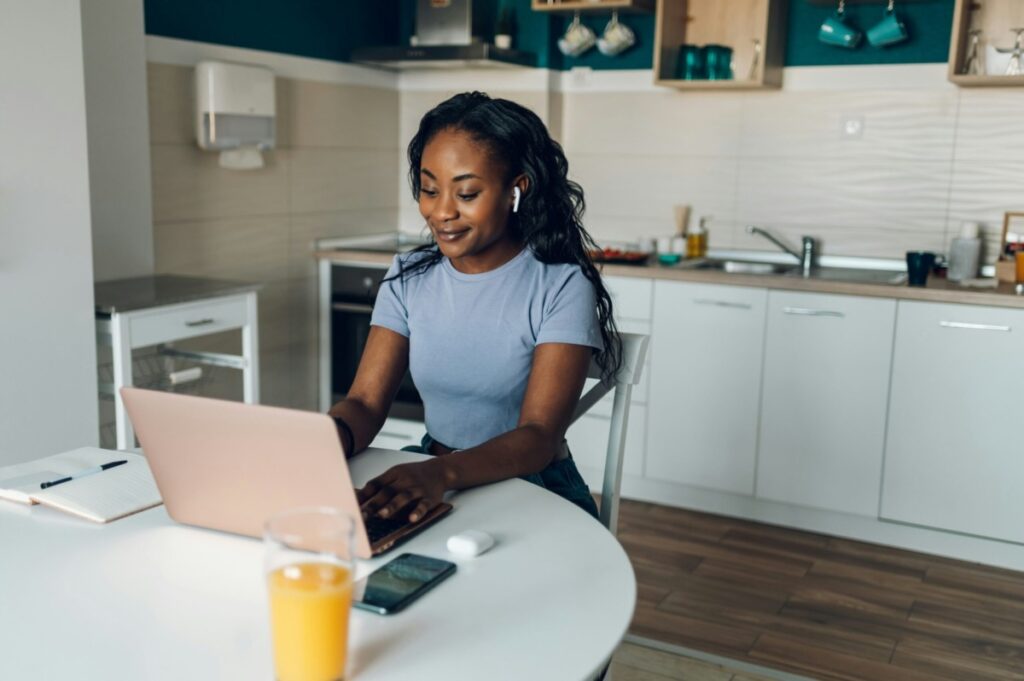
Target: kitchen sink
[(847, 274), (855, 275), (741, 266)]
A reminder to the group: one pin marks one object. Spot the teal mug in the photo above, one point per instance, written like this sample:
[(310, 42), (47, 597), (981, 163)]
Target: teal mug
[(890, 30), (835, 31), (718, 59), (691, 64)]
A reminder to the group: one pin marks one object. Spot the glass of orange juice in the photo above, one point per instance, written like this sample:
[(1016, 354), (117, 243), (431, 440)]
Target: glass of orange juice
[(309, 575)]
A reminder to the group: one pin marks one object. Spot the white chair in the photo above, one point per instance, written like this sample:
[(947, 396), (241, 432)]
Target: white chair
[(634, 351)]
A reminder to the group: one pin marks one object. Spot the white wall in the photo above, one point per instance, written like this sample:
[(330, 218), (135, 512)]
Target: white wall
[(114, 47), (47, 344)]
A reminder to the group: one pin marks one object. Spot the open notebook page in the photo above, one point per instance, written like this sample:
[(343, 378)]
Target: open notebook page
[(106, 496), (21, 481)]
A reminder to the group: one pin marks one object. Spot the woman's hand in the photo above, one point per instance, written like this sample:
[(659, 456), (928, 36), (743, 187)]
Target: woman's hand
[(419, 485)]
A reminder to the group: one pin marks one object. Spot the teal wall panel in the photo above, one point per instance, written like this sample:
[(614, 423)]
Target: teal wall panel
[(929, 23), (330, 29), (323, 29)]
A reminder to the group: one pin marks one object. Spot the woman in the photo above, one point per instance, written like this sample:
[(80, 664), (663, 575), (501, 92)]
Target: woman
[(498, 318)]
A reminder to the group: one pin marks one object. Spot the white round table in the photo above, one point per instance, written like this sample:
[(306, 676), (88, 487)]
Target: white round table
[(146, 598)]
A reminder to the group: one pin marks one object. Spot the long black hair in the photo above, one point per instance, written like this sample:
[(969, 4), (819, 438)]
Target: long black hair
[(549, 219)]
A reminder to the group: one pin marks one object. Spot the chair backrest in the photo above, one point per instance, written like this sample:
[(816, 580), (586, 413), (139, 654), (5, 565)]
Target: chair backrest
[(634, 352)]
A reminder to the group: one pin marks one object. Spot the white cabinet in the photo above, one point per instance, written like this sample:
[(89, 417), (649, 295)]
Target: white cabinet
[(588, 437), (705, 385), (955, 450), (823, 406)]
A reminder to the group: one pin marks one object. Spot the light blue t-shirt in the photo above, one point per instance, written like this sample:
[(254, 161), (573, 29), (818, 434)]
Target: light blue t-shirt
[(472, 336)]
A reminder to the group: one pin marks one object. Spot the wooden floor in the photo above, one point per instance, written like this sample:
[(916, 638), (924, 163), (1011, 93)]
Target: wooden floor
[(638, 663), (819, 606)]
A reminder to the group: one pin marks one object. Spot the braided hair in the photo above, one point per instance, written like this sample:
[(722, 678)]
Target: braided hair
[(549, 219)]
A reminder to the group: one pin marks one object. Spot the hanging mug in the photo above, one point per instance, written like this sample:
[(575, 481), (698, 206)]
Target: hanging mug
[(578, 38), (835, 31), (890, 30), (617, 37)]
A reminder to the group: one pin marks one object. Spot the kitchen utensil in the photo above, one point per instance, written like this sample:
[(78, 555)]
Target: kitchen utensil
[(972, 63), (1015, 66), (755, 63)]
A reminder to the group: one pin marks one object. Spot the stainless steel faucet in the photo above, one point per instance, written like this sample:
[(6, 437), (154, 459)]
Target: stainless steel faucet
[(805, 257)]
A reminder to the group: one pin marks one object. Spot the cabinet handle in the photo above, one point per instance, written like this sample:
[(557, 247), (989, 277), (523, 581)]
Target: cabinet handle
[(722, 303), (200, 322), (811, 312), (975, 327), (352, 307)]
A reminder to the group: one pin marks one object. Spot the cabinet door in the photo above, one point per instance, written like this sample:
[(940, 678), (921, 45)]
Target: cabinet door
[(955, 449), (705, 385), (631, 297), (823, 406)]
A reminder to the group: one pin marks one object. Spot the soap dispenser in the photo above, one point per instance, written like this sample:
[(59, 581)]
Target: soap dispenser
[(965, 253), (697, 239)]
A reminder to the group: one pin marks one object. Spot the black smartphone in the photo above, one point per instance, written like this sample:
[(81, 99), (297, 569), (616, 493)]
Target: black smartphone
[(399, 582)]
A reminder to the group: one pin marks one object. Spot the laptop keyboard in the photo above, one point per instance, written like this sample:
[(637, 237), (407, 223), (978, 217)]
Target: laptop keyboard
[(378, 528)]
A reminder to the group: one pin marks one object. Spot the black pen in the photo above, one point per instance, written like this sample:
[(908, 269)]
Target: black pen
[(82, 474)]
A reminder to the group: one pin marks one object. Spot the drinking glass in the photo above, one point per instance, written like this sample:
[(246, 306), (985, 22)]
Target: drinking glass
[(309, 564), (719, 62), (691, 64)]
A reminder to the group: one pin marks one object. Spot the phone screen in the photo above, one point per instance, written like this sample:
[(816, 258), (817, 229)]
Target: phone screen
[(401, 581)]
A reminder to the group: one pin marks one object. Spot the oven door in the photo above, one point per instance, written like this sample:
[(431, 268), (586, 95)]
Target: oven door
[(350, 327)]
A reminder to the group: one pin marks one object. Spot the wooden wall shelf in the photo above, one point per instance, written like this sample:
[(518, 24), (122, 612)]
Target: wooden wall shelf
[(994, 18), (987, 81), (591, 7), (736, 23)]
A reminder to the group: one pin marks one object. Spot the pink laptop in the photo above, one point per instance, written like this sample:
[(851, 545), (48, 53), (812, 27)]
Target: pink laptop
[(229, 466)]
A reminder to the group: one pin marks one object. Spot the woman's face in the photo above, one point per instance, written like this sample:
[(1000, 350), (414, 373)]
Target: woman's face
[(466, 202)]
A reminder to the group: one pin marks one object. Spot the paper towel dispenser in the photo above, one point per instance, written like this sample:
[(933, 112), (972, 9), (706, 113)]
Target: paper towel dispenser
[(235, 111)]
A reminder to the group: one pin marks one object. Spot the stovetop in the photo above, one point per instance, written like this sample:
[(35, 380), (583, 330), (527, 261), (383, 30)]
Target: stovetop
[(396, 242)]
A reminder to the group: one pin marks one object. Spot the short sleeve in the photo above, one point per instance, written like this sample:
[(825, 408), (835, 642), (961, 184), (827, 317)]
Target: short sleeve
[(390, 310), (570, 312)]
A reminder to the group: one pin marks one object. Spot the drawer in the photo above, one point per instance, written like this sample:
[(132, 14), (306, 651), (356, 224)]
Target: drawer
[(178, 322), (631, 296)]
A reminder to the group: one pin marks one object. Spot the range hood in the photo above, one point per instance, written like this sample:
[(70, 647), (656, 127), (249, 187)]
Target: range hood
[(443, 40)]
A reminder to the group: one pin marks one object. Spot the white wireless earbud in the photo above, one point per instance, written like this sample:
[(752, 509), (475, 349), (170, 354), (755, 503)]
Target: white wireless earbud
[(515, 199)]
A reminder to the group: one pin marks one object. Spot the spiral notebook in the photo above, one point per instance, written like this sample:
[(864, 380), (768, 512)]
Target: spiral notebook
[(100, 497)]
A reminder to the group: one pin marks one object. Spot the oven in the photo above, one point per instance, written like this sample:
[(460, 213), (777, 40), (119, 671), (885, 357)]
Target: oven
[(353, 290)]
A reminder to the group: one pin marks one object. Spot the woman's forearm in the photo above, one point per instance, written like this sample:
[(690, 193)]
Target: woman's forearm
[(362, 421), (527, 449)]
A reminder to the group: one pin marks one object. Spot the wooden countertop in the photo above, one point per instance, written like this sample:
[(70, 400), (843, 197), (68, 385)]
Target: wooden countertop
[(938, 290)]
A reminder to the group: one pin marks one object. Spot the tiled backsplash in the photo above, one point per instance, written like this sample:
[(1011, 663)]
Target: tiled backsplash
[(333, 173), (927, 159)]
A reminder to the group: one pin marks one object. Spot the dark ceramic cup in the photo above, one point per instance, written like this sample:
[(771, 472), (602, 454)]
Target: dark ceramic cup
[(919, 266)]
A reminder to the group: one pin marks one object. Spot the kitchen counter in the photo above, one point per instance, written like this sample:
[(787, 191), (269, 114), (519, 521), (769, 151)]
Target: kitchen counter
[(138, 293), (938, 290)]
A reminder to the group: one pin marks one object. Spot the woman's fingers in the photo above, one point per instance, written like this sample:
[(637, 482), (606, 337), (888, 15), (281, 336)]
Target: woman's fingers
[(368, 490), (397, 503), (421, 509)]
